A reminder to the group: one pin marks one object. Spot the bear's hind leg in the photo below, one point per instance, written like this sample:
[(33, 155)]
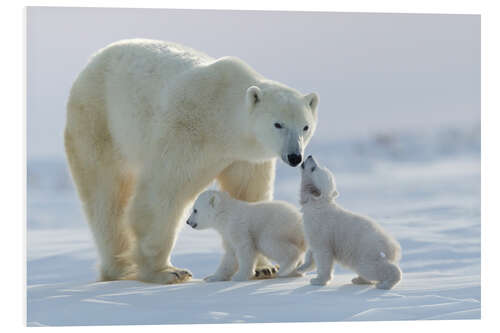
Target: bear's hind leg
[(104, 189)]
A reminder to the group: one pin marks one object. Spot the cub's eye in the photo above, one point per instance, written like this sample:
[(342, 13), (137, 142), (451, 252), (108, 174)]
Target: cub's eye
[(313, 168), (306, 128), (195, 211), (277, 125)]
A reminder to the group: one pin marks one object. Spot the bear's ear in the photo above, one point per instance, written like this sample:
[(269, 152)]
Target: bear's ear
[(254, 96), (312, 101), (335, 194)]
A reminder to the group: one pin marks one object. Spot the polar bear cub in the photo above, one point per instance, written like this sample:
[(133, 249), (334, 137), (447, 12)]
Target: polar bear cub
[(336, 234), (270, 228)]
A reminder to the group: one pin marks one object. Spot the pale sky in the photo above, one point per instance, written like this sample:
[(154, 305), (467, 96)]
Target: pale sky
[(373, 72)]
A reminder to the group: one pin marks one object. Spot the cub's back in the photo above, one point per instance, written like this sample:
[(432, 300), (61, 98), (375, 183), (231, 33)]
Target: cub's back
[(277, 218), (357, 236)]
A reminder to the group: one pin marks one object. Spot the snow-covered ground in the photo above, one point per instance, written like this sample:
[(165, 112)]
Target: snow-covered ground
[(424, 188)]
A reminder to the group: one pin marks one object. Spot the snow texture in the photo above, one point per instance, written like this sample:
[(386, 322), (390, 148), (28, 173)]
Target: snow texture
[(423, 188)]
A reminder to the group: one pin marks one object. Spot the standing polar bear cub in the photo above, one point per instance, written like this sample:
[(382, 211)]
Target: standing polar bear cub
[(269, 228), (336, 234), (151, 124)]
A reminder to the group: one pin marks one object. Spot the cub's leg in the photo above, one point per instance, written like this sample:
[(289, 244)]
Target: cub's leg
[(246, 255), (227, 267), (309, 263), (324, 260), (360, 280), (389, 275), (251, 182), (384, 272), (288, 256)]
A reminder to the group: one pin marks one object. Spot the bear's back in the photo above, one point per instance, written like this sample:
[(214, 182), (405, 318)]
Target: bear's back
[(144, 54)]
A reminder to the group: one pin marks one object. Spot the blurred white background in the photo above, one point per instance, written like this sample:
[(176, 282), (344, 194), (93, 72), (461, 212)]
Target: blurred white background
[(374, 72)]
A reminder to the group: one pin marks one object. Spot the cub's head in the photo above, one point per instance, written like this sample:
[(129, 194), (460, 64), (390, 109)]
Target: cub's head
[(283, 120), (318, 183), (205, 210)]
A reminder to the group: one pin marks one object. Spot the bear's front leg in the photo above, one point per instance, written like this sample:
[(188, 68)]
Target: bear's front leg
[(251, 182), (154, 216)]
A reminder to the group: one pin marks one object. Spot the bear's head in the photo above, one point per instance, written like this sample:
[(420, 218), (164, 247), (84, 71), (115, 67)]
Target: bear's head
[(205, 208), (318, 182), (283, 120)]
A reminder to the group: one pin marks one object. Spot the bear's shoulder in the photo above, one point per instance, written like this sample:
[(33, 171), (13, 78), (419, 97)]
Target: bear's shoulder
[(231, 65)]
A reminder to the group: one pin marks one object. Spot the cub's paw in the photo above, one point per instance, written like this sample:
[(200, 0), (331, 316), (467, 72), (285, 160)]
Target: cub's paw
[(214, 278), (360, 280), (318, 282), (385, 285)]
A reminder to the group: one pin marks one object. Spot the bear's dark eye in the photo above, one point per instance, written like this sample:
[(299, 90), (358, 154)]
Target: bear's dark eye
[(306, 128), (277, 125), (195, 211), (313, 168)]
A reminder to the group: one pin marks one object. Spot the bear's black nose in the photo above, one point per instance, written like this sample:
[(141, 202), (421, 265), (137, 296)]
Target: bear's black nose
[(294, 159)]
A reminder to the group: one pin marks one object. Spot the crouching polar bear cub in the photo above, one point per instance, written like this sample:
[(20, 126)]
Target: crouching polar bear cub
[(150, 124), (271, 228), (336, 234)]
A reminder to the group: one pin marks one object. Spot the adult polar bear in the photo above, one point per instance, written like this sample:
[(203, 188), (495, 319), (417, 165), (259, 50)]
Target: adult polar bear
[(156, 122)]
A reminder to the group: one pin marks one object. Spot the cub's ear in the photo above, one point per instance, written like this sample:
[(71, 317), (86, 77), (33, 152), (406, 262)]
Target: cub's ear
[(312, 101), (335, 194), (214, 200), (254, 96)]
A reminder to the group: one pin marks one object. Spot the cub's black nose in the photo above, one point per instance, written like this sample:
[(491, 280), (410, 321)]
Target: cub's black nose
[(294, 159), (310, 156)]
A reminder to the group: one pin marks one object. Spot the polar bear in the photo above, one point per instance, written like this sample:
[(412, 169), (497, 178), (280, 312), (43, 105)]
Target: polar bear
[(336, 234), (271, 228), (151, 124)]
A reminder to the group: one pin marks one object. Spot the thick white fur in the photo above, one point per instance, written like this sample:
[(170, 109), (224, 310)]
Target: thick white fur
[(336, 234), (150, 124), (270, 228)]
